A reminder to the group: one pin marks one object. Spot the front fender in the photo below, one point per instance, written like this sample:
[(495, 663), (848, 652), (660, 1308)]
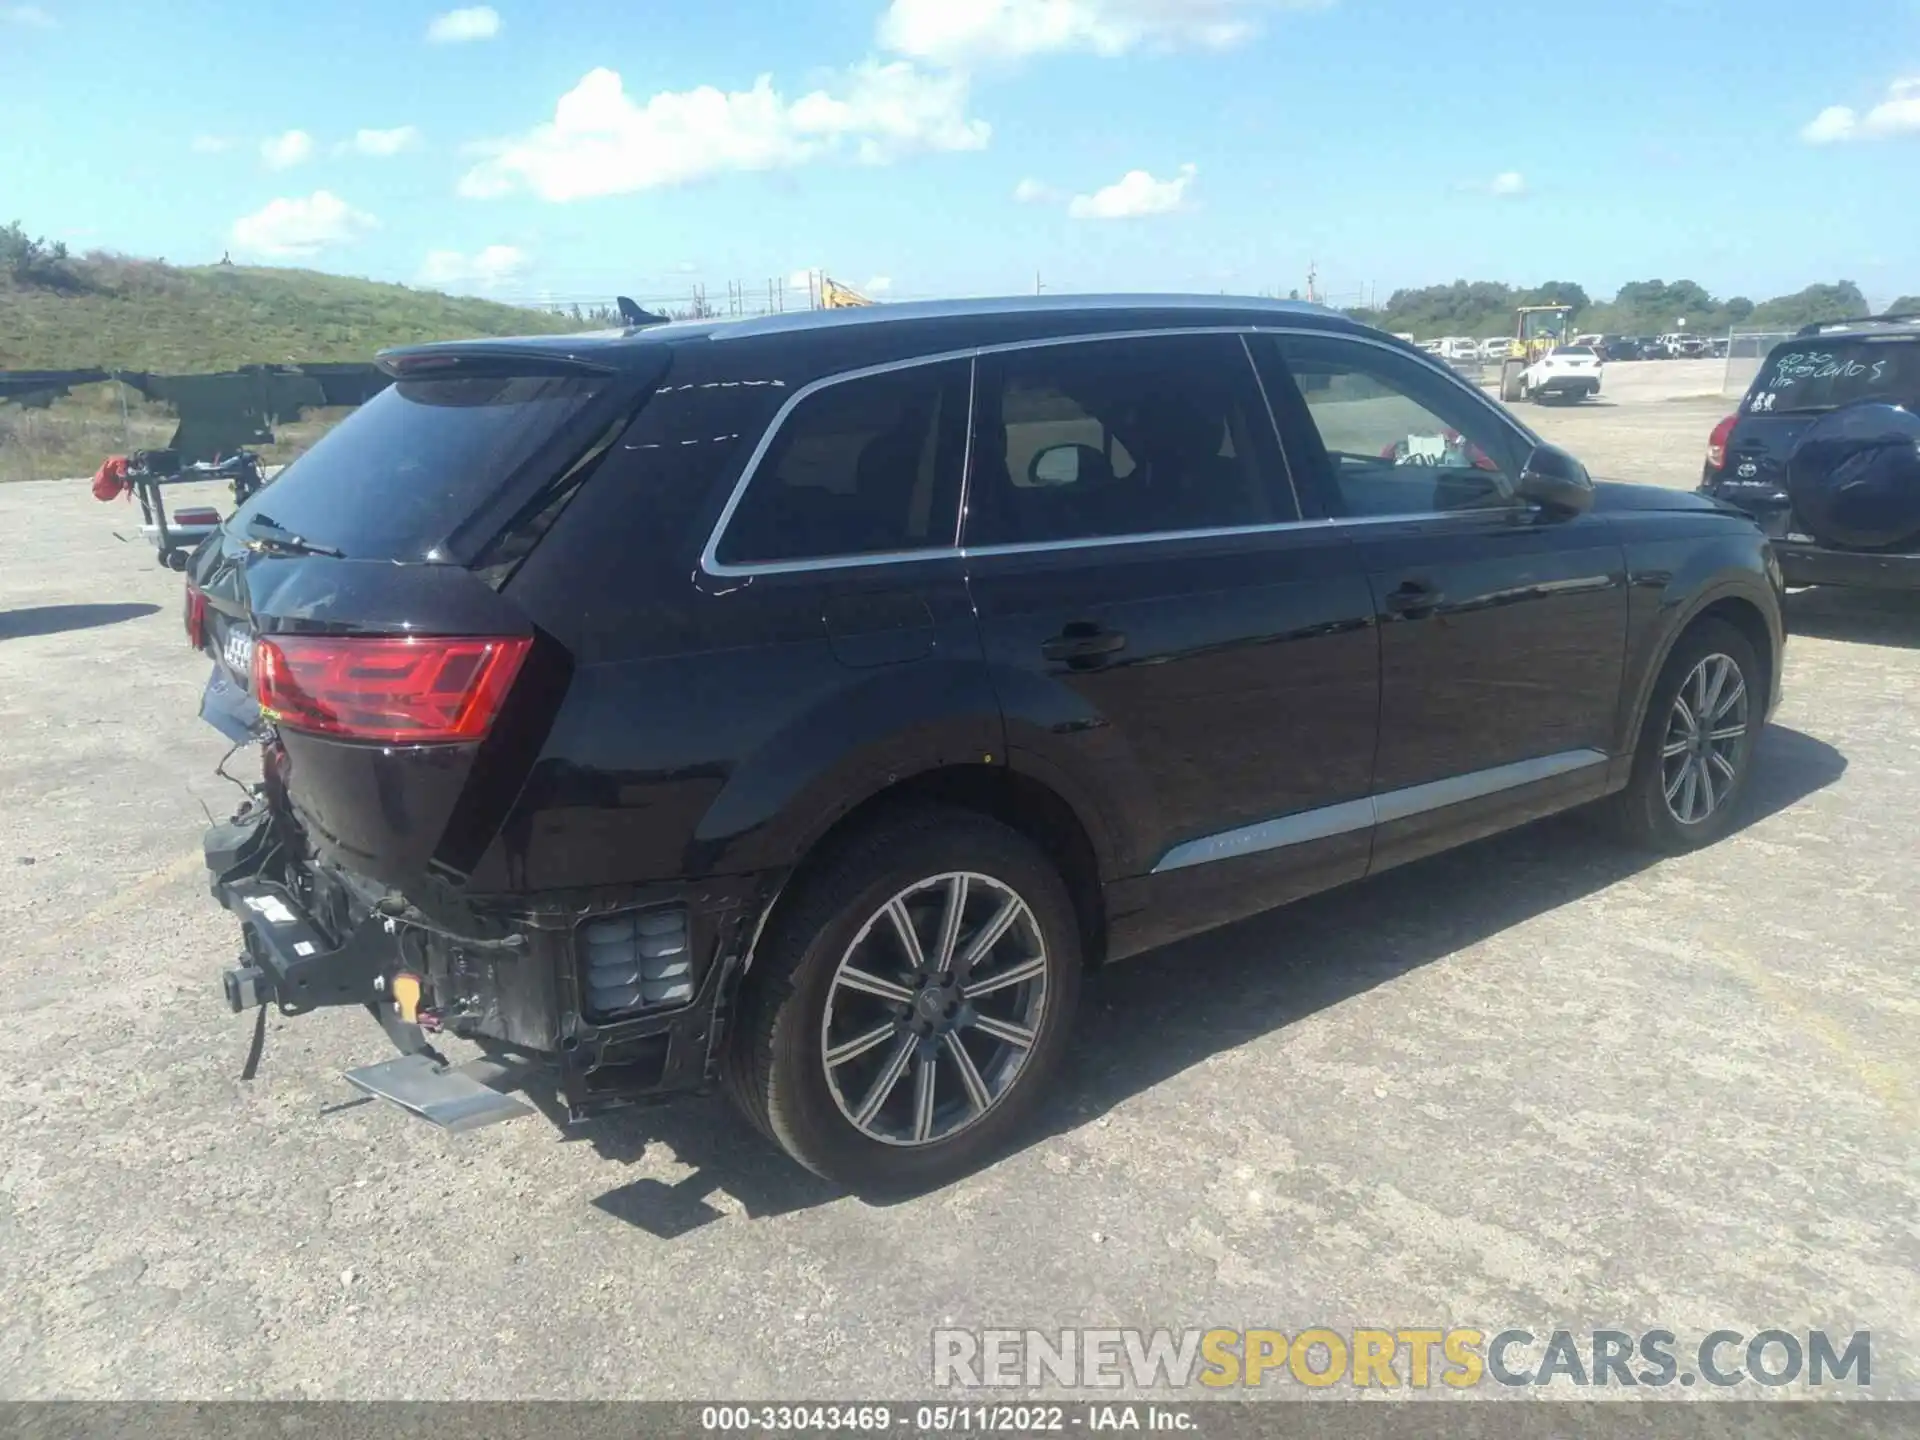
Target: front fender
[(1672, 580)]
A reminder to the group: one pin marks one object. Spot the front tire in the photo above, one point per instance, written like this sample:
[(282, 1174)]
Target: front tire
[(1693, 767), (910, 1004)]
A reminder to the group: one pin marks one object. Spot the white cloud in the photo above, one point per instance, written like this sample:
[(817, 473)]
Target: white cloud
[(211, 144), (383, 144), (488, 269), (477, 22), (1035, 192), (1135, 193), (294, 229), (603, 142), (283, 152), (878, 285), (960, 32), (30, 16), (1898, 114), (1508, 184)]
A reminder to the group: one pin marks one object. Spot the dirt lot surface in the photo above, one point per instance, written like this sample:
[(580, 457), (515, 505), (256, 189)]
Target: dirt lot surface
[(1538, 1083)]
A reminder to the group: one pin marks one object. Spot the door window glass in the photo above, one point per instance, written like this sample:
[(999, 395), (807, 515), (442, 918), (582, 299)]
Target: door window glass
[(863, 467), (1401, 438), (1123, 437)]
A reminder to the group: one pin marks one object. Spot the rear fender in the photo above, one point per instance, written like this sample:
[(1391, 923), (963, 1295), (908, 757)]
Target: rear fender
[(883, 727)]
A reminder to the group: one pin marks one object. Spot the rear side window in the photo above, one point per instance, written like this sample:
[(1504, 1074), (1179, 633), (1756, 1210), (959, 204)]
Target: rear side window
[(867, 466), (1824, 375), (1111, 438), (404, 471)]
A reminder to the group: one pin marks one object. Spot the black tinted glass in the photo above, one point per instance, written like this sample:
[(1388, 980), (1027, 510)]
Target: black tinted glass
[(400, 474), (1123, 437), (863, 467), (1826, 374)]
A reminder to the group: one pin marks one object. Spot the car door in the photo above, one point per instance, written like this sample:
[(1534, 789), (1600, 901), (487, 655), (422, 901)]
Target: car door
[(1173, 649), (1502, 626)]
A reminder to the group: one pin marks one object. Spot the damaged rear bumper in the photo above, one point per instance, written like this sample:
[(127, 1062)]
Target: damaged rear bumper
[(544, 986)]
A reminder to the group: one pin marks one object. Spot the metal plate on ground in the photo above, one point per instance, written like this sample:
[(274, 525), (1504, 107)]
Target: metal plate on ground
[(448, 1098)]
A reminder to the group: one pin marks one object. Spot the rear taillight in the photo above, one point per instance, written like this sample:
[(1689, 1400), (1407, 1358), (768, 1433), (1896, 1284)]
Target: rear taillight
[(1717, 442), (196, 616), (407, 691)]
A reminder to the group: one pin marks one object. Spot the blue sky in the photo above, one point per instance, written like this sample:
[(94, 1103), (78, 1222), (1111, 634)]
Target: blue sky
[(927, 147)]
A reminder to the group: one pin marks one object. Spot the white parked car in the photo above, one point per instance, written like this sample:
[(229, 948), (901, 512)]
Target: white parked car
[(1496, 347), (1570, 372), (1459, 347)]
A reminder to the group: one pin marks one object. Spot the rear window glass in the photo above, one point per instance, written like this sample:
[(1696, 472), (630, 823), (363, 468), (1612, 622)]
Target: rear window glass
[(1823, 375), (401, 473)]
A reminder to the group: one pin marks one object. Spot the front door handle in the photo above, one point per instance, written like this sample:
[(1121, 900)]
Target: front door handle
[(1416, 598), (1084, 642)]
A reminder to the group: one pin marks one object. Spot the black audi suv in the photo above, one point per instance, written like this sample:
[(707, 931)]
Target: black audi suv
[(801, 704)]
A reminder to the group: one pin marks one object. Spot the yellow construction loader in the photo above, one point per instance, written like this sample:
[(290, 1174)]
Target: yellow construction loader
[(1537, 330)]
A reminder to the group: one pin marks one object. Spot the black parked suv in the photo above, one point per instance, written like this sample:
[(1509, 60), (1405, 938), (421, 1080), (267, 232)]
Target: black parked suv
[(801, 704), (1824, 452)]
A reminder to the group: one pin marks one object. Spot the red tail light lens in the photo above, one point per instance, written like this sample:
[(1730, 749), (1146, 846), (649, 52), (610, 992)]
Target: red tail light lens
[(196, 616), (393, 690), (1717, 442)]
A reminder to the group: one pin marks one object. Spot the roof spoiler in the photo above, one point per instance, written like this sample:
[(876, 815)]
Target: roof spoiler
[(463, 359)]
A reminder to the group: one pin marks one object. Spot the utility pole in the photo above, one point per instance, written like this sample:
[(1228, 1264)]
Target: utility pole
[(1313, 276), (1037, 286)]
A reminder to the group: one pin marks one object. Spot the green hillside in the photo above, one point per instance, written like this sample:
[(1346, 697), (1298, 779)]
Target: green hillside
[(145, 315)]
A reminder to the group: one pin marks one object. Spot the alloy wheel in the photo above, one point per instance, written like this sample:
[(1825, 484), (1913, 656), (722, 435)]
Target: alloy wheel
[(934, 1009), (1699, 754)]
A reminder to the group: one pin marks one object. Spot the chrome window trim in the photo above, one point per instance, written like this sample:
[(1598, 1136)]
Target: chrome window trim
[(1273, 423), (712, 564), (1353, 816)]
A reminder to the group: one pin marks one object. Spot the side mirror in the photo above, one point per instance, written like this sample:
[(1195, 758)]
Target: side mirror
[(1556, 482), (1067, 465)]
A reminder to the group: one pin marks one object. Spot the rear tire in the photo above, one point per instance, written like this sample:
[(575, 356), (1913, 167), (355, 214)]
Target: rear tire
[(1690, 780), (890, 1077)]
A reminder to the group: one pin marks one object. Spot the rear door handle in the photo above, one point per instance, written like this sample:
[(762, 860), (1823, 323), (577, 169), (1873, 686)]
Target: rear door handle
[(1084, 640), (1415, 598)]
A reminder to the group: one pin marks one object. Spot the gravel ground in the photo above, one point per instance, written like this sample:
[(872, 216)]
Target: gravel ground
[(1536, 1083)]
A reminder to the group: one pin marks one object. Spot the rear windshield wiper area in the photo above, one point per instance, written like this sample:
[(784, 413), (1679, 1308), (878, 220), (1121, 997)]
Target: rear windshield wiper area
[(262, 533)]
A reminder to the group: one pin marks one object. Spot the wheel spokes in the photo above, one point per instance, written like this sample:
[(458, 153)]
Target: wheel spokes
[(975, 1087), (950, 919), (868, 983), (925, 1080), (855, 1048), (1016, 974), (884, 1083), (909, 937), (990, 936), (900, 1070), (1016, 1035)]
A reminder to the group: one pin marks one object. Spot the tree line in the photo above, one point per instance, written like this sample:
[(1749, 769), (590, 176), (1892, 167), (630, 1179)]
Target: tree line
[(1645, 307)]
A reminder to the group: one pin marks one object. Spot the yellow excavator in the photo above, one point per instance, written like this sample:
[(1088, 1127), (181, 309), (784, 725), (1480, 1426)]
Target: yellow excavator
[(1537, 330), (835, 296)]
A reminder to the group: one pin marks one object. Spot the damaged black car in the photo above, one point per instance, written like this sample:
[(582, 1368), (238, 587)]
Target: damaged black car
[(800, 705)]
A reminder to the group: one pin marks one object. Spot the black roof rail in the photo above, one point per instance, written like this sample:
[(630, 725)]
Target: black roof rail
[(1905, 317)]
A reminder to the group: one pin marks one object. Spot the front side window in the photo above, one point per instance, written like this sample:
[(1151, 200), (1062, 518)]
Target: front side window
[(1400, 438), (1109, 438), (867, 466)]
